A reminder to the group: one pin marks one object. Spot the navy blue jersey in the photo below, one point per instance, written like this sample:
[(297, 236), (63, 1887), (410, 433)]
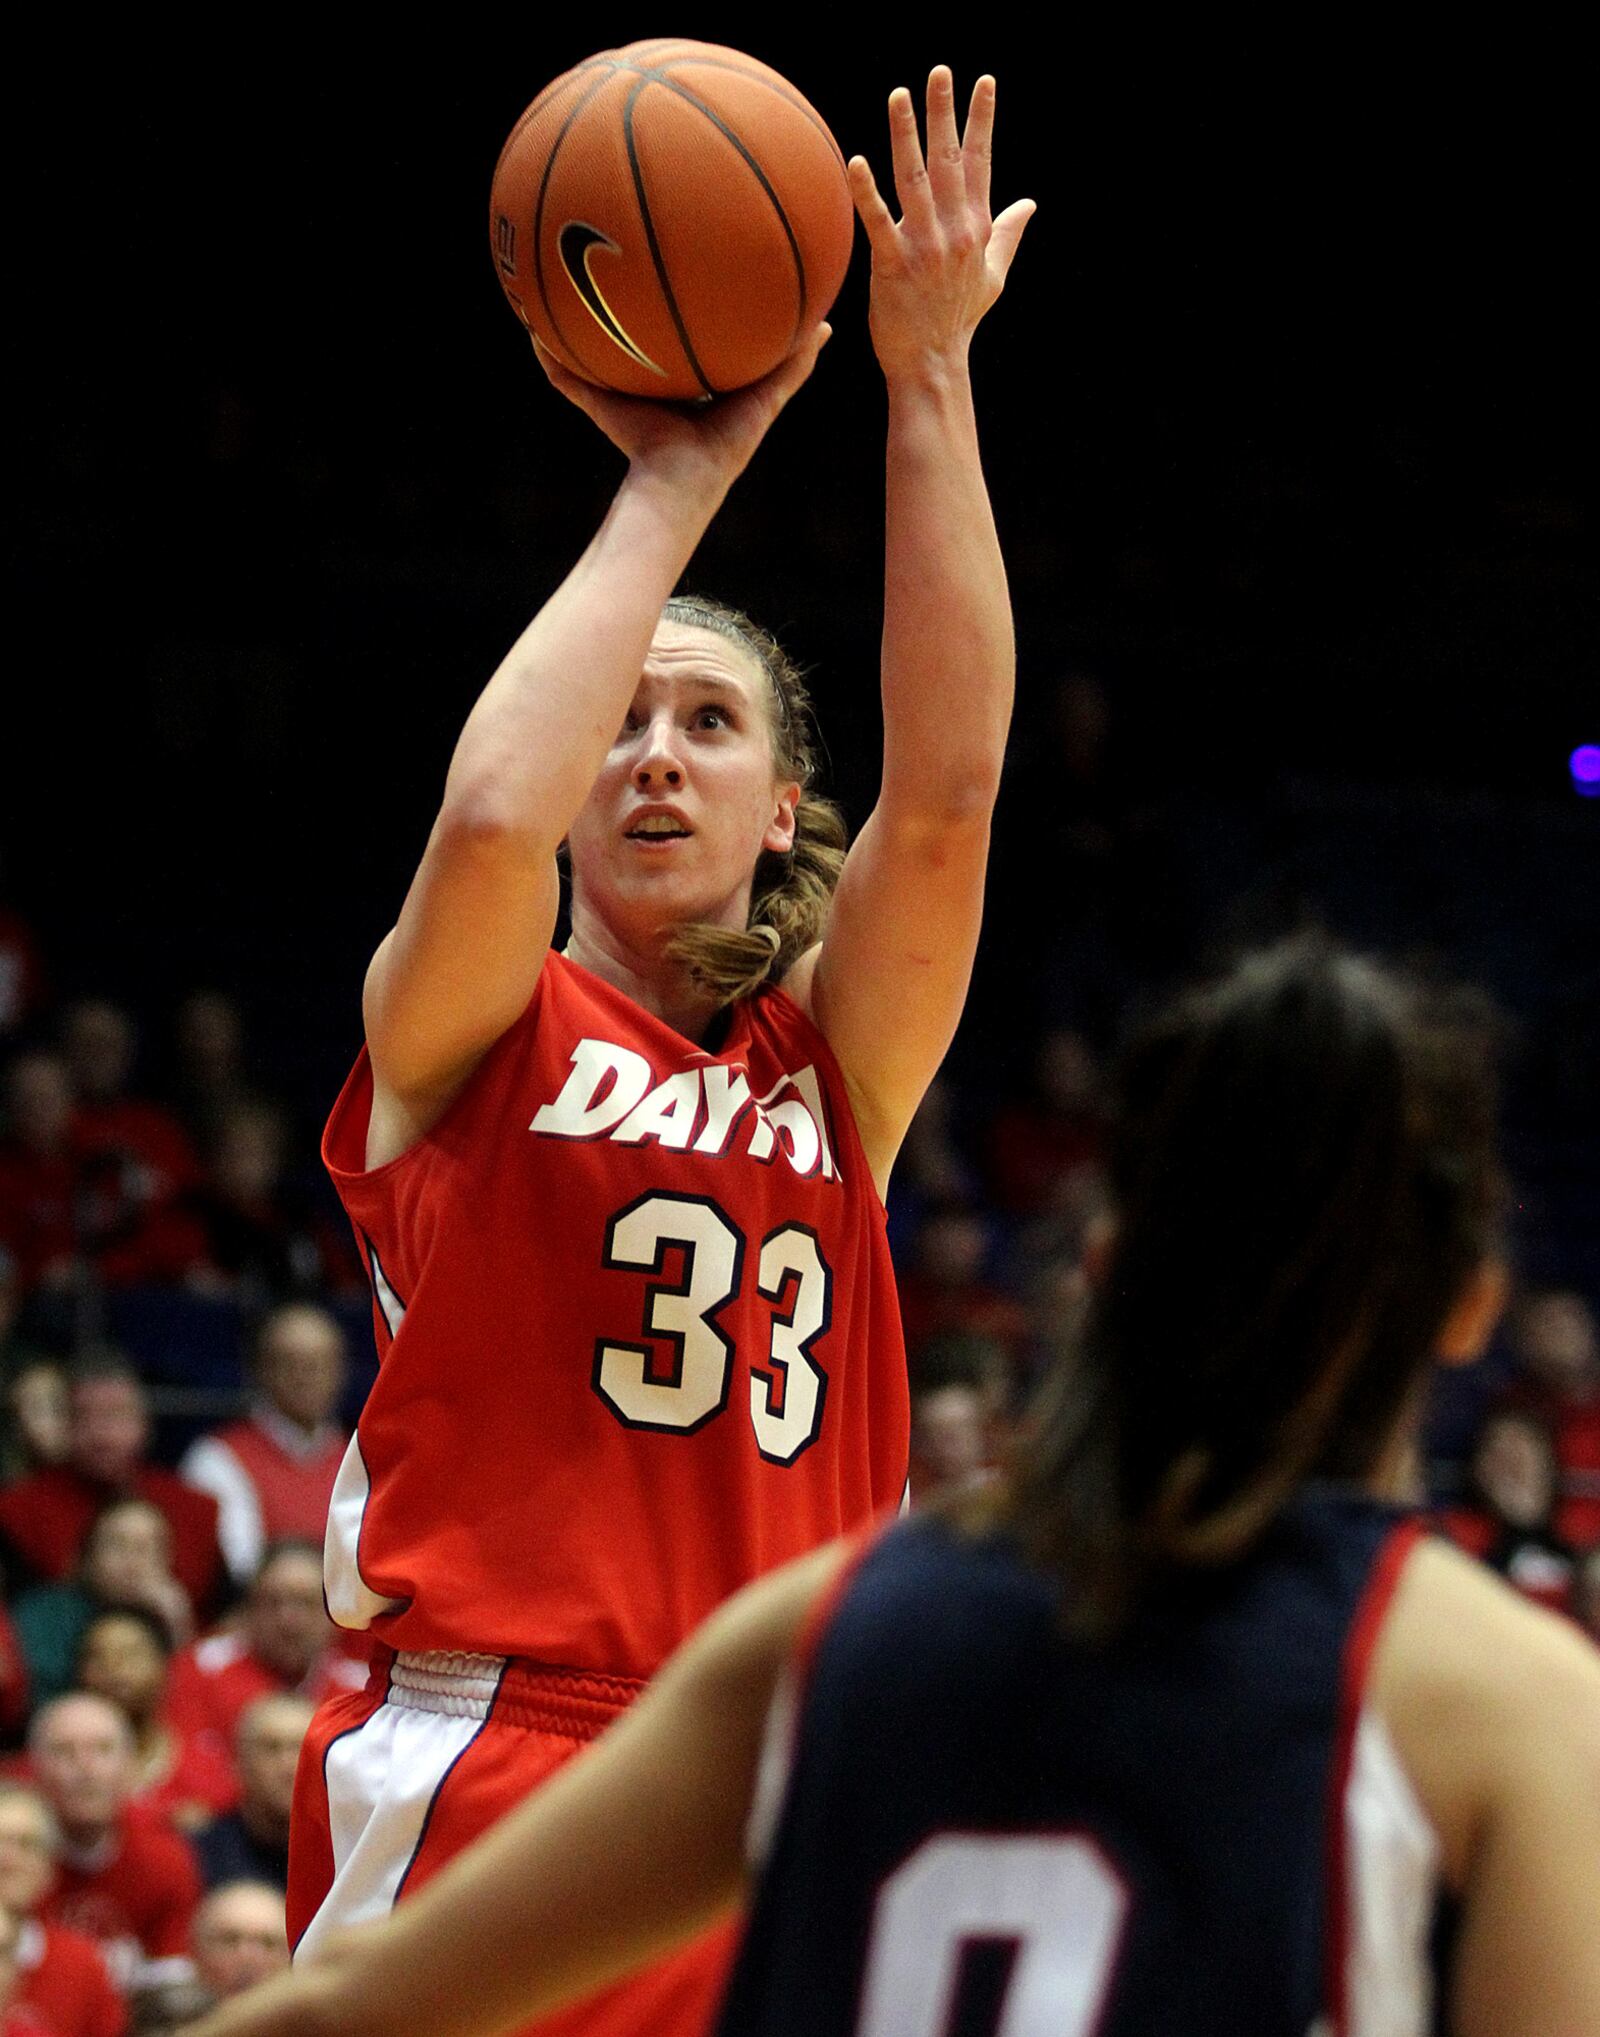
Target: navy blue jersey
[(980, 1828)]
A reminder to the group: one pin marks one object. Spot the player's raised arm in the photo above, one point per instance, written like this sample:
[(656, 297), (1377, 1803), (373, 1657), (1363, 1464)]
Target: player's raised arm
[(888, 983), (462, 960)]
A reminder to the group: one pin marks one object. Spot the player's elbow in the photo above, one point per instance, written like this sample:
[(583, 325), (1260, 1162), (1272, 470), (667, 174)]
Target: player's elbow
[(480, 825), (941, 824)]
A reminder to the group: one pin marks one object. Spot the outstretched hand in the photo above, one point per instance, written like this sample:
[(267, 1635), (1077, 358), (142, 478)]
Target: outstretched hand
[(683, 441), (938, 269)]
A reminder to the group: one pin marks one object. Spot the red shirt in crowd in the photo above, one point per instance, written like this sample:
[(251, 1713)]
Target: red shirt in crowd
[(97, 1202), (212, 1683), (134, 1896), (200, 1785), (62, 1977), (13, 1679), (45, 1516)]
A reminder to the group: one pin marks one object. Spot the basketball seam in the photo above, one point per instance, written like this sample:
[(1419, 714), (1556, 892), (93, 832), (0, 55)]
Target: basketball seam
[(573, 356), (543, 100), (760, 176), (789, 96), (653, 244)]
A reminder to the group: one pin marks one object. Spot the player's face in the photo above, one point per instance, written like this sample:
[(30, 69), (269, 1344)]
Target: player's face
[(687, 800)]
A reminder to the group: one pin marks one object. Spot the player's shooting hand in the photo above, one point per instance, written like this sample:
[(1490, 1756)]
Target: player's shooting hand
[(938, 269), (690, 444)]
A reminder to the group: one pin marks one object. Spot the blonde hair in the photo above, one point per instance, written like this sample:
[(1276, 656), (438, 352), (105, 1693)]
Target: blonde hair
[(791, 893)]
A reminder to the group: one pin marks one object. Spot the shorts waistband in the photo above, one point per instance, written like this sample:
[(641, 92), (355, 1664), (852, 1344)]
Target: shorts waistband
[(577, 1704)]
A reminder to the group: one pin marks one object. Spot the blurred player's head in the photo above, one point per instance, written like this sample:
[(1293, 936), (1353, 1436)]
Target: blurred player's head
[(1306, 1199), (239, 1937), (1557, 1341), (300, 1362), (39, 1102), (284, 1615), (267, 1748), (1514, 1469), (124, 1655), (127, 1551), (109, 1418), (82, 1752), (36, 1399), (28, 1844), (100, 1042), (717, 743)]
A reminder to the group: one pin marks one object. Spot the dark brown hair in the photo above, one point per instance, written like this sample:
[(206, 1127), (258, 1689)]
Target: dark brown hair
[(791, 894), (1304, 1177)]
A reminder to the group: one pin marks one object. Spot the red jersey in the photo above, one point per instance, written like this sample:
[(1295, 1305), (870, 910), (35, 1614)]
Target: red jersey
[(63, 1979), (134, 1898), (637, 1328)]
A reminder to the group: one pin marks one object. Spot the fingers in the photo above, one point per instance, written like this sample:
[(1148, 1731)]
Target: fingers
[(875, 216), (910, 172), (978, 142), (1007, 233), (946, 176)]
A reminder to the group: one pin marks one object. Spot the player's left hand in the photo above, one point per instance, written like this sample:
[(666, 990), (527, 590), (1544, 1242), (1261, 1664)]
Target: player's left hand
[(938, 269)]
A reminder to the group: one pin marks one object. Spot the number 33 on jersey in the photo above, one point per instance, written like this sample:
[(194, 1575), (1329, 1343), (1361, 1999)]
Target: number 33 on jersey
[(637, 1331)]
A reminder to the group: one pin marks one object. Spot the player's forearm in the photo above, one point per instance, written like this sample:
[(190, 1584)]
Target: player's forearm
[(539, 732), (949, 652)]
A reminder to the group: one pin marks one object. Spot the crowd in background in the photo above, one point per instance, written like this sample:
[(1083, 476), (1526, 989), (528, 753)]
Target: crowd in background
[(183, 1347)]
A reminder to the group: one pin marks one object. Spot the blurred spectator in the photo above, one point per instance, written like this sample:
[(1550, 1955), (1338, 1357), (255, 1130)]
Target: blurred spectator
[(76, 1210), (1557, 1349), (123, 1879), (40, 1170), (100, 1043), (45, 1517), (15, 1685), (272, 1475), (1055, 1130), (284, 1641), (265, 1238), (126, 1562), (251, 1842), (946, 1286), (929, 1169), (17, 2018), (1508, 1520), (240, 1938), (186, 1778), (36, 1415), (62, 1975), (209, 1079), (959, 1392)]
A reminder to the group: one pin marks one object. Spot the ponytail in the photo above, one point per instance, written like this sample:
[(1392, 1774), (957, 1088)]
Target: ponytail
[(1304, 1176)]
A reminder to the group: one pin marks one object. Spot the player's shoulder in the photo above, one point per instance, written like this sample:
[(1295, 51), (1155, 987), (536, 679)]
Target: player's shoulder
[(1482, 1691), (1458, 1631)]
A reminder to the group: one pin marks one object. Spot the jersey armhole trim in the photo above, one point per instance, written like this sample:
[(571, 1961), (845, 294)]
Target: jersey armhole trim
[(363, 1076), (1376, 1598)]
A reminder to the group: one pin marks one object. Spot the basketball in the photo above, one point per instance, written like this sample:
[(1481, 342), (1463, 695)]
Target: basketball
[(670, 218)]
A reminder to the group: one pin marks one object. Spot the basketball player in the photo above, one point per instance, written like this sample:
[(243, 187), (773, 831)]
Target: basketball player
[(1186, 1729), (621, 1205)]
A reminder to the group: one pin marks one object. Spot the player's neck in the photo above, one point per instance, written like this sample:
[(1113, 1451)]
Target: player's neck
[(646, 973)]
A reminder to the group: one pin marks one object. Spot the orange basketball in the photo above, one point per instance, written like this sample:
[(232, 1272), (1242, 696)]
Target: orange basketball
[(669, 218)]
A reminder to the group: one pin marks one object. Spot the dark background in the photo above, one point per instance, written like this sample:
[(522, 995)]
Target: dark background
[(1288, 420)]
